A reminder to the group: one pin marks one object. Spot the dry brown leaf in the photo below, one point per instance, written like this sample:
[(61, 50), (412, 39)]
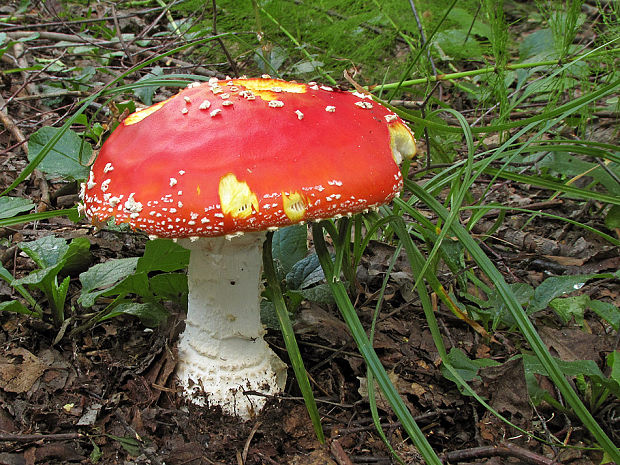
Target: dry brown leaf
[(19, 370)]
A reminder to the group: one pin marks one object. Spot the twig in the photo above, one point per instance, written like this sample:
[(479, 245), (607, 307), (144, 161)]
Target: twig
[(10, 125), (231, 62), (8, 437), (504, 450), (57, 36), (119, 34), (339, 454), (246, 447)]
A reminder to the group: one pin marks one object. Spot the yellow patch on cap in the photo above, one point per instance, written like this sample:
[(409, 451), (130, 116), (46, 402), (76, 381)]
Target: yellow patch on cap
[(141, 114), (402, 142), (294, 206), (236, 198), (270, 89)]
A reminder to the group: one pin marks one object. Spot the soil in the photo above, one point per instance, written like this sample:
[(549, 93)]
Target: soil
[(107, 394)]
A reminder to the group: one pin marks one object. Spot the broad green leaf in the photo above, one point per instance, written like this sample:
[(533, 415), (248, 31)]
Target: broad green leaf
[(539, 43), (135, 283), (163, 255), (568, 308), (42, 278), (305, 272), (457, 43), (68, 158), (145, 93), (47, 251), (77, 256), (573, 368), (16, 307), (466, 367), (151, 314), (290, 245), (557, 286), (11, 206), (103, 276), (607, 311), (612, 218), (131, 445), (169, 286), (321, 294)]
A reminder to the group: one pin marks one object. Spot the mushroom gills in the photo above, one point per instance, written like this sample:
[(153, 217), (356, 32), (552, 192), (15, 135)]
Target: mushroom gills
[(294, 206), (236, 197), (402, 142)]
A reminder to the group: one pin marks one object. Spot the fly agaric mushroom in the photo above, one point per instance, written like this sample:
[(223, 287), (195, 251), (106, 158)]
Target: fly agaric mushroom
[(238, 156)]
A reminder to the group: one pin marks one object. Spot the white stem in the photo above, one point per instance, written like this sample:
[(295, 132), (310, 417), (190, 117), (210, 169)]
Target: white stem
[(222, 352)]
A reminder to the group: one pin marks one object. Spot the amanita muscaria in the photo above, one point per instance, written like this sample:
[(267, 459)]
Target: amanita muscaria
[(217, 165)]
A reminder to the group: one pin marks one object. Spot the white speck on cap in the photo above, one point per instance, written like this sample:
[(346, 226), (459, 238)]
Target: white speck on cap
[(330, 108)]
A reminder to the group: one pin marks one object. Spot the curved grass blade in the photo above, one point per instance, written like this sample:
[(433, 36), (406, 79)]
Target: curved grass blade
[(289, 339), (366, 350)]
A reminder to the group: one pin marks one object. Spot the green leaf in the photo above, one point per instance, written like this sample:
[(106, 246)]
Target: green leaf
[(169, 286), (290, 245), (305, 272), (145, 93), (568, 308), (67, 159), (607, 311), (612, 218), (466, 367), (321, 294), (151, 314), (557, 286), (163, 255), (103, 276), (16, 307), (131, 445), (77, 256), (572, 368), (11, 206), (43, 278), (96, 454), (613, 362), (47, 251), (457, 43), (538, 43)]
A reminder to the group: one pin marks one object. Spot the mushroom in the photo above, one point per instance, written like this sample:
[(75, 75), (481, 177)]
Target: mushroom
[(218, 164)]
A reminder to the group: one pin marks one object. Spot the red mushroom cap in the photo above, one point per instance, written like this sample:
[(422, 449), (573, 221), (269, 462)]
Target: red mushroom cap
[(246, 155)]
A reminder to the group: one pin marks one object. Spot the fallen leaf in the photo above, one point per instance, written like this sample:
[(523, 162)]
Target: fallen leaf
[(19, 370)]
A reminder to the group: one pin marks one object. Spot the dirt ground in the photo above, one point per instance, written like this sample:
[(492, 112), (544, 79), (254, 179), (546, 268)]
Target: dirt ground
[(108, 395)]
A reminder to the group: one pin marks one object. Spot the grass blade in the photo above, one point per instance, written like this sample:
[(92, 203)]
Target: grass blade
[(289, 339), (365, 347)]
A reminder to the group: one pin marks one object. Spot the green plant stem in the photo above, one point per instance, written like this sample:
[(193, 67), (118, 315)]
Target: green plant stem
[(487, 70), (289, 338)]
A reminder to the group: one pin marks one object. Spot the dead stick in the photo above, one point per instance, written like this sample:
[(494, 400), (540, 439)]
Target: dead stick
[(339, 454), (505, 450), (17, 134), (8, 437), (57, 36)]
